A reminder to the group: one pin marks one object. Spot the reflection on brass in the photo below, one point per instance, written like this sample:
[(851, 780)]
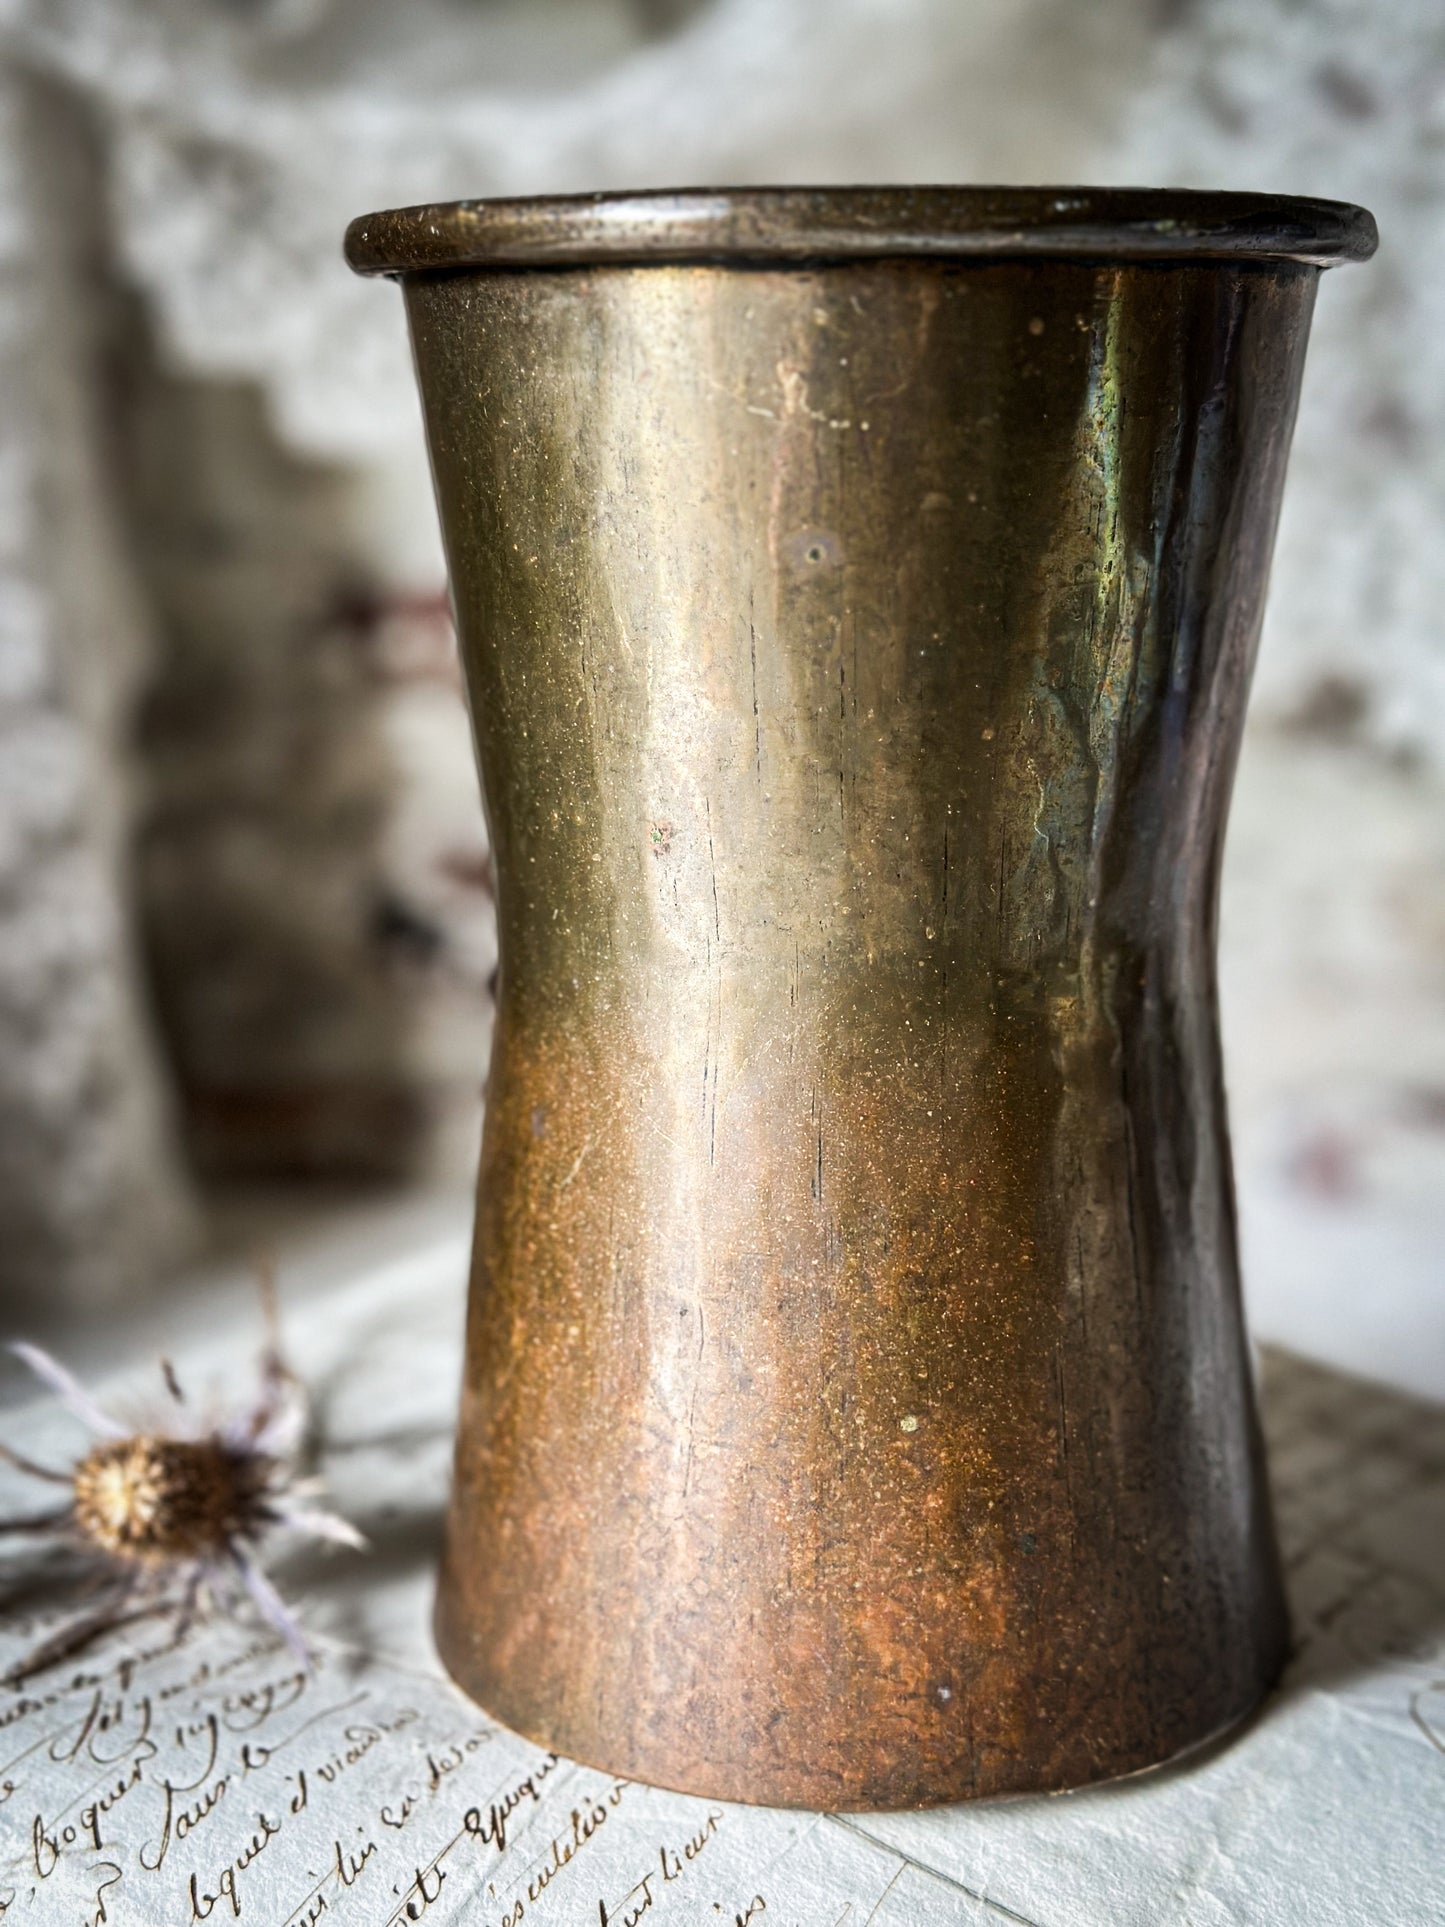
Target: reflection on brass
[(857, 593)]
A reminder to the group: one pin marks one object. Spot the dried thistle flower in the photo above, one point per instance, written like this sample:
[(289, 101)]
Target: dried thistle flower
[(173, 1514)]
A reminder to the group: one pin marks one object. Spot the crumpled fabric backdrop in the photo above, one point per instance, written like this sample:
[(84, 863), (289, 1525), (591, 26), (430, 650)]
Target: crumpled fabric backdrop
[(273, 936)]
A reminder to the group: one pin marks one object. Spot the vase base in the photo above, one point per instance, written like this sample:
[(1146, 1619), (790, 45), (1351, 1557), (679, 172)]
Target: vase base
[(807, 1787)]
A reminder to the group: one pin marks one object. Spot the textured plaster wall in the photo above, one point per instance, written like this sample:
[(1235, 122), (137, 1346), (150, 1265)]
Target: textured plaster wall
[(93, 1196), (309, 867)]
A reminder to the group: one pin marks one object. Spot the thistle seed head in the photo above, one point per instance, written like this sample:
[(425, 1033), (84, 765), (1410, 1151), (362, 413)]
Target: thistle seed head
[(177, 1519), (151, 1499)]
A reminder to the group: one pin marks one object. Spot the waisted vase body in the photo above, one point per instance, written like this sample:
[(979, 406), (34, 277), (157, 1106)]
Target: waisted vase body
[(857, 1409)]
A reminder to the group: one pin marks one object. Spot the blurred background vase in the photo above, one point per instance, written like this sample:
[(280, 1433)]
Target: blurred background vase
[(857, 596)]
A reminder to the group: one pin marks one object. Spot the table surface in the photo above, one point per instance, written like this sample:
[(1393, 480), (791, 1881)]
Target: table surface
[(156, 1784)]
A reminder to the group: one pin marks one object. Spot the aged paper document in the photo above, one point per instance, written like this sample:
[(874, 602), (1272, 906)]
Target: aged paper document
[(150, 1783)]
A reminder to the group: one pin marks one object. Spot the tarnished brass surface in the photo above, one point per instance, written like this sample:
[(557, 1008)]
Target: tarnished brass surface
[(856, 1408)]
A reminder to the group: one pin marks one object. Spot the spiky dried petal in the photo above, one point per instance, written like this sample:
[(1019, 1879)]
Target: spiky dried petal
[(68, 1389), (318, 1524), (272, 1607)]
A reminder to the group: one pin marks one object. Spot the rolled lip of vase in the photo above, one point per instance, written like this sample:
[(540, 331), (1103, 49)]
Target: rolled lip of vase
[(741, 226)]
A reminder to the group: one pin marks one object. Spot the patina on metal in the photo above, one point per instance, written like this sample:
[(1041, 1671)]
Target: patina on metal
[(857, 595)]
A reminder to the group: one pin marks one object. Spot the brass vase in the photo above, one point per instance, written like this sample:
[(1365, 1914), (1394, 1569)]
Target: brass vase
[(857, 593)]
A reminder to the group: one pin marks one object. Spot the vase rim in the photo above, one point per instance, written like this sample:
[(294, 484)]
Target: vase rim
[(759, 225)]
